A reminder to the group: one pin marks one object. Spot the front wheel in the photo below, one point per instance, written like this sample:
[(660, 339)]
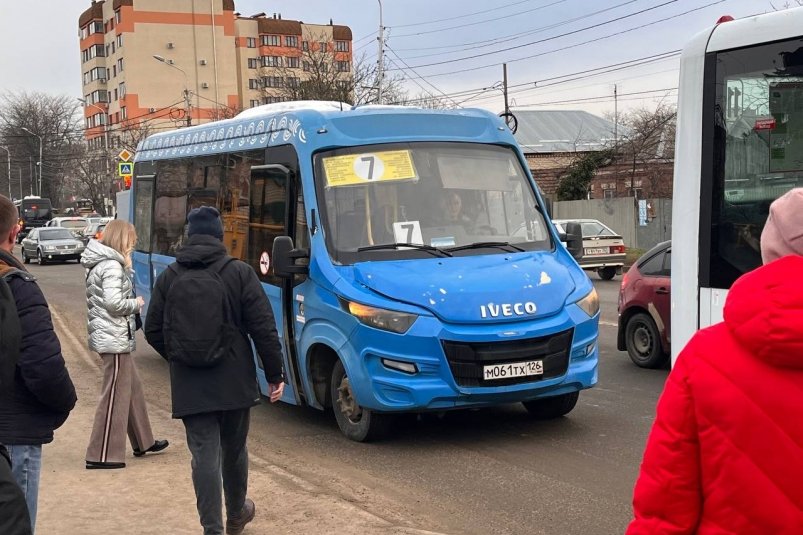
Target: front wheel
[(552, 407), (356, 422), (643, 342), (40, 258), (606, 273)]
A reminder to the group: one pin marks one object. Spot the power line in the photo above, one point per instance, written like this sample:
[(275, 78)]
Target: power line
[(589, 99), (424, 23), (468, 69), (497, 40), (483, 21), (420, 77), (539, 41)]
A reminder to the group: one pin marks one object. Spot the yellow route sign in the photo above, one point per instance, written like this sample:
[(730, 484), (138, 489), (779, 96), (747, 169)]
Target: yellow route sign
[(356, 169)]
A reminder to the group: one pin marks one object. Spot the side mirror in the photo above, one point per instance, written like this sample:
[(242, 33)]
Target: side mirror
[(574, 239), (285, 257)]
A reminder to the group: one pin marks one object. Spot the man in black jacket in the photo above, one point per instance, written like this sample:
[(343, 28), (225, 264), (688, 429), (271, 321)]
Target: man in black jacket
[(42, 394), (214, 402)]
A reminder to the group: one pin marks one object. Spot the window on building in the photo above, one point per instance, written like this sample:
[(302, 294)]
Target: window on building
[(322, 46), (608, 193), (251, 42), (307, 66), (271, 61), (253, 63), (254, 103), (117, 16), (273, 81), (293, 63), (114, 47), (292, 81), (119, 40), (115, 95), (324, 67), (305, 46), (342, 46), (291, 41), (343, 66), (114, 71), (122, 89), (123, 113), (253, 84), (108, 48), (120, 65), (273, 100), (96, 27), (270, 40)]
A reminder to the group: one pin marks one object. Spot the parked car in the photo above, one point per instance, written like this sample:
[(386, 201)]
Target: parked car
[(74, 224), (644, 308), (51, 244), (93, 231), (603, 249)]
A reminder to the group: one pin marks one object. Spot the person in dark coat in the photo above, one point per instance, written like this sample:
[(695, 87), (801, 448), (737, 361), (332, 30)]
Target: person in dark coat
[(43, 394), (14, 518), (214, 402)]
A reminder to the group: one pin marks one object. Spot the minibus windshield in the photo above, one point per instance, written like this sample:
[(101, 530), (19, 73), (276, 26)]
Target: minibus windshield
[(450, 196)]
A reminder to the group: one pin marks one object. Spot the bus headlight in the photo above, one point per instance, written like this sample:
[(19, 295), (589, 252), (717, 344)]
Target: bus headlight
[(380, 318), (590, 303)]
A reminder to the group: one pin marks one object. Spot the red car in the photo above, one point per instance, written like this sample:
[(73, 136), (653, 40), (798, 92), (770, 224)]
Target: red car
[(644, 306)]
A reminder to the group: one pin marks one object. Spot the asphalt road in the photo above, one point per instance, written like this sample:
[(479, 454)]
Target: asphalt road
[(482, 471)]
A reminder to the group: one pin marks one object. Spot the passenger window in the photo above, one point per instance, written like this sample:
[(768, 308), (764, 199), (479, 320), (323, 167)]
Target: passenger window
[(653, 266), (667, 270), (266, 220)]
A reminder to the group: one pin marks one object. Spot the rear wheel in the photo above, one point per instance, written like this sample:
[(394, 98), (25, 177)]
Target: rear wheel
[(606, 273), (552, 407), (643, 342), (40, 258), (356, 422)]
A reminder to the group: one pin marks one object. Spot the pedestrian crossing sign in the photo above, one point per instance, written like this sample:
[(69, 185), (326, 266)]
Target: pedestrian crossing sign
[(125, 168)]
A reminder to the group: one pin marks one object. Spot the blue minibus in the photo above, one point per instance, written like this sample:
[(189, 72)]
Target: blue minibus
[(407, 254)]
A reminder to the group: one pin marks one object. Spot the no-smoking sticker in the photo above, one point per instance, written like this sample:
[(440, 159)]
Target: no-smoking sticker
[(264, 263)]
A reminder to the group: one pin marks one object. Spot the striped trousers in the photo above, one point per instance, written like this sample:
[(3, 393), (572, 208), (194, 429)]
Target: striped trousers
[(121, 410)]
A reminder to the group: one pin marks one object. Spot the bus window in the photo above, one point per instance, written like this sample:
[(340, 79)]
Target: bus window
[(266, 220), (758, 117), (143, 213)]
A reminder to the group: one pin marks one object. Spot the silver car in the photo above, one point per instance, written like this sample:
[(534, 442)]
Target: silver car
[(51, 244)]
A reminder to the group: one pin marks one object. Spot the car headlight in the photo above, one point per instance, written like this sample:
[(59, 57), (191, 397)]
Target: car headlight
[(590, 303), (380, 318), (50, 248)]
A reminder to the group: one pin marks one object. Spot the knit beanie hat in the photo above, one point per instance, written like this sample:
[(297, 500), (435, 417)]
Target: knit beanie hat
[(205, 220), (783, 231)]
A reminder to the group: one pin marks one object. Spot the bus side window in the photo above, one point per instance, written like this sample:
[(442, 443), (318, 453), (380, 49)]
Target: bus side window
[(266, 220)]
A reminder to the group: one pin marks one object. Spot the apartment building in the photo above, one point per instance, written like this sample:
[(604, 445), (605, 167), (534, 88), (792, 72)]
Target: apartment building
[(149, 65)]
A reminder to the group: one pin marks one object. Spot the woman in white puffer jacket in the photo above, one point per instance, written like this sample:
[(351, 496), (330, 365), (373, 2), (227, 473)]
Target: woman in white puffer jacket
[(111, 324)]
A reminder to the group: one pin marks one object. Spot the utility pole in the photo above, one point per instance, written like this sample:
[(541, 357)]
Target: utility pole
[(187, 106), (380, 62), (9, 170), (504, 88), (615, 118)]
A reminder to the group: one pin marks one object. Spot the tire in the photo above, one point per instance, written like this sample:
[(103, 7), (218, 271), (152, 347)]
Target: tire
[(25, 258), (355, 422), (643, 341), (606, 273), (40, 258), (552, 407)]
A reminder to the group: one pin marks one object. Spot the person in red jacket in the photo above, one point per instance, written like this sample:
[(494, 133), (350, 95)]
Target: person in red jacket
[(725, 454)]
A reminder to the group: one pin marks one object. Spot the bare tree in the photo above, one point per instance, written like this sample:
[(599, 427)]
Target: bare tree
[(648, 138)]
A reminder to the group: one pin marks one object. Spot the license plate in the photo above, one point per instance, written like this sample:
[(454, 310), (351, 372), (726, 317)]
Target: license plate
[(514, 369), (597, 250)]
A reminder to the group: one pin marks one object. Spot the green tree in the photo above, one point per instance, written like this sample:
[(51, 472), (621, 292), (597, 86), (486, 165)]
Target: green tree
[(574, 183)]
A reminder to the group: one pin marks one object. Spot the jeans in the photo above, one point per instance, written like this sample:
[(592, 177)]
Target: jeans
[(217, 441), (26, 465)]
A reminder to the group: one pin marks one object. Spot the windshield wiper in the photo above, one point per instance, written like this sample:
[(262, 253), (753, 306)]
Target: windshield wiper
[(483, 244), (428, 248)]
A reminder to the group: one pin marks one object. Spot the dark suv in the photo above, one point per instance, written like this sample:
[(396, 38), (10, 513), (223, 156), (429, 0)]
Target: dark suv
[(644, 308)]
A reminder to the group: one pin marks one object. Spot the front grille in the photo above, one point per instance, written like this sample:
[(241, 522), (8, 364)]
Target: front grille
[(65, 247), (466, 359)]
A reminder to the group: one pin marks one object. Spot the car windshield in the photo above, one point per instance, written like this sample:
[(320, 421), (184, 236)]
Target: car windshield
[(73, 223), (595, 228), (55, 234), (444, 195)]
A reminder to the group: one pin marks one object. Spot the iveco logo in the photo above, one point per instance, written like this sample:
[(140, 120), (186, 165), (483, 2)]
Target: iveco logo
[(507, 309)]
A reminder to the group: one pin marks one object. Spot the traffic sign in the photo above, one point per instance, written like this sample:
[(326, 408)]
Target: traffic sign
[(124, 155), (125, 168)]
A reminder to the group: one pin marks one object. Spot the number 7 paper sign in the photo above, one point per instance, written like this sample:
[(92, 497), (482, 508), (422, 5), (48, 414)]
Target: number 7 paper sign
[(358, 169)]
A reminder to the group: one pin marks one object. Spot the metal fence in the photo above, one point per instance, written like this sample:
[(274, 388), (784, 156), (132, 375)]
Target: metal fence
[(642, 224)]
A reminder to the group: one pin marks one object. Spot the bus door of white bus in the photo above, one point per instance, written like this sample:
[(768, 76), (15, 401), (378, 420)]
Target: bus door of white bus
[(272, 213)]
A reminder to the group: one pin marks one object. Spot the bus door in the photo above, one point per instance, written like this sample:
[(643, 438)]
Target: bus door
[(143, 222), (272, 213)]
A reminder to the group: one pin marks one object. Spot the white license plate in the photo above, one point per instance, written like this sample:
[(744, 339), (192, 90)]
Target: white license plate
[(596, 250), (514, 369)]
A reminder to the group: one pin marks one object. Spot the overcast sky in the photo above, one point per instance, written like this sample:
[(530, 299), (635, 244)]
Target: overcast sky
[(431, 39)]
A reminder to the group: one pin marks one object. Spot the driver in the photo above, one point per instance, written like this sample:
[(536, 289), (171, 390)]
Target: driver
[(452, 209)]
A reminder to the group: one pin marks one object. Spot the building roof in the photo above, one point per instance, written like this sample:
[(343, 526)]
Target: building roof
[(562, 131)]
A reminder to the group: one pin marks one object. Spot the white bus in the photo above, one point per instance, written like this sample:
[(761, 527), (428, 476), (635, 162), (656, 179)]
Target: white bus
[(739, 147)]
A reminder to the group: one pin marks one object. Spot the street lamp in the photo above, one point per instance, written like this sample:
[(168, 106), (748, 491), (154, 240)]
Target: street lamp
[(186, 85), (9, 169), (39, 163)]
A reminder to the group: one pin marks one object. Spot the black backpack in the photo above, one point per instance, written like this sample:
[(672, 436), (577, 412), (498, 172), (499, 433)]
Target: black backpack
[(10, 334), (199, 324)]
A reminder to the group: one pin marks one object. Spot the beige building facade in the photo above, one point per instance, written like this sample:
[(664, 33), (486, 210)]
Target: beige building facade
[(151, 65)]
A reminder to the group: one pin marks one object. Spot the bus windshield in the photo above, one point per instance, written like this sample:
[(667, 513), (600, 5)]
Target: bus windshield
[(37, 209), (442, 195), (758, 153)]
